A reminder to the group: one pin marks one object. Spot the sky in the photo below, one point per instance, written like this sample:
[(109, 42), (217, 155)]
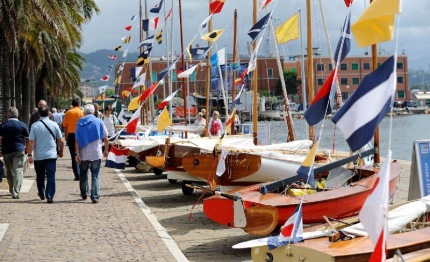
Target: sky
[(105, 30)]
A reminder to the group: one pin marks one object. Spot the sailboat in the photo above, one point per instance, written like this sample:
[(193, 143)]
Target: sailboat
[(259, 209)]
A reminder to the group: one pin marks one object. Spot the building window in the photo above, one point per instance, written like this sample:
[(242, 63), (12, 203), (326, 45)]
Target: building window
[(401, 94), (344, 96), (399, 65), (355, 81), (320, 81), (154, 77), (269, 72), (354, 66), (344, 81), (366, 66), (320, 67), (343, 67), (330, 67), (174, 74), (400, 79)]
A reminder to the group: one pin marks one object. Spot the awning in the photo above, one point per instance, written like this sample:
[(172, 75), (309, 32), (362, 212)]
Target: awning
[(422, 96)]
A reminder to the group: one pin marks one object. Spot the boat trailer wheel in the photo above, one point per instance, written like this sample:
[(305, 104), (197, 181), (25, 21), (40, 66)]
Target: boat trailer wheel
[(187, 190)]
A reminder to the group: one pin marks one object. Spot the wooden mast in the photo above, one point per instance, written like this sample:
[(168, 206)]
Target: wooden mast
[(376, 156), (255, 85), (233, 84), (310, 61), (184, 90), (208, 82)]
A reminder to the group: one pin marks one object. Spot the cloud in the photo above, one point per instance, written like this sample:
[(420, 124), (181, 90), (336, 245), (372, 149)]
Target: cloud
[(105, 30)]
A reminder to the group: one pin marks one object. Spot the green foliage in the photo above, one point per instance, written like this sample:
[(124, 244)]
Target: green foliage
[(291, 83)]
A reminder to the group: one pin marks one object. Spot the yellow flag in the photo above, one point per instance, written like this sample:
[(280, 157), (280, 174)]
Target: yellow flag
[(134, 103), (117, 80), (376, 24), (213, 36), (163, 120), (125, 93), (289, 30), (229, 122), (189, 53)]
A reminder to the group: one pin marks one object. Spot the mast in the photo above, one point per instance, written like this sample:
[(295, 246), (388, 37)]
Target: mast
[(184, 90), (208, 81), (233, 84), (255, 85), (376, 156), (310, 61)]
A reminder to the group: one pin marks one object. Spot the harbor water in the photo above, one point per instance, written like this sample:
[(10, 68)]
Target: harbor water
[(405, 130)]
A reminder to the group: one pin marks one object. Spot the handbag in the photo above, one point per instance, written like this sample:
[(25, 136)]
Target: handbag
[(56, 143)]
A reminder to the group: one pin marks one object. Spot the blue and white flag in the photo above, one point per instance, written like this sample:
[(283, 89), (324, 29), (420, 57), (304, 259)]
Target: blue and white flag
[(236, 99), (291, 232), (147, 42), (364, 110), (259, 27), (157, 7), (345, 38), (117, 158), (204, 24)]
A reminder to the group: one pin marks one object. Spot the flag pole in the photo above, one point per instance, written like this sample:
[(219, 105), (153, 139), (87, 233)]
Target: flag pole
[(376, 156), (255, 85), (310, 61), (208, 80), (233, 84), (184, 91)]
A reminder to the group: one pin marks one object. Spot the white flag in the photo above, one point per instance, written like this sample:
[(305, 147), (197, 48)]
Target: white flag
[(187, 72), (204, 24), (121, 117), (220, 169), (140, 80), (221, 56), (102, 89), (124, 55)]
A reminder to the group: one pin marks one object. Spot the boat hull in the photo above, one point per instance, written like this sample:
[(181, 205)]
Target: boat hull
[(336, 203)]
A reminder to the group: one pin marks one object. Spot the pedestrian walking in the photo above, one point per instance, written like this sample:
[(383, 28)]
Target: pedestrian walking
[(70, 121), (58, 118), (45, 138), (110, 121), (13, 134), (35, 115), (90, 132)]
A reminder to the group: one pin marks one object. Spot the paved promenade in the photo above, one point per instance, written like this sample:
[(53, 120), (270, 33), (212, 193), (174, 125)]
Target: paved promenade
[(119, 228)]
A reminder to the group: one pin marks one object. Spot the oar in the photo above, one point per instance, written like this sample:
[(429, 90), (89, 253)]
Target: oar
[(214, 192)]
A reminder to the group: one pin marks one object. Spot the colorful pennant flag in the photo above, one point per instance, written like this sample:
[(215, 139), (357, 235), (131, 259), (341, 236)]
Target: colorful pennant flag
[(318, 108), (132, 124), (188, 72), (376, 89), (264, 3), (102, 89), (306, 169), (259, 27), (157, 7), (218, 58), (121, 117), (213, 36), (204, 24), (104, 78), (373, 214), (148, 92), (291, 232), (167, 100), (288, 30), (236, 99), (220, 169), (120, 67), (229, 122), (163, 120), (198, 52), (376, 24), (150, 24), (216, 6), (128, 28), (126, 39), (133, 17), (344, 43), (134, 103), (147, 42), (135, 72), (113, 57), (168, 14), (117, 48), (140, 80), (117, 158), (159, 37)]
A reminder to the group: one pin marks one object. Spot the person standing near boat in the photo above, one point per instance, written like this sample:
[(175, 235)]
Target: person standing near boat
[(200, 121), (110, 121), (70, 121), (215, 125), (44, 137), (13, 134), (90, 132)]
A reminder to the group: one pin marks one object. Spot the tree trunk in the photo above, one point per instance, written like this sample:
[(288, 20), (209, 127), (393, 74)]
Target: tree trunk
[(32, 83), (26, 90), (5, 55)]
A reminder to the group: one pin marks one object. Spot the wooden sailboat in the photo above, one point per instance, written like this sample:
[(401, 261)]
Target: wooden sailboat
[(408, 224)]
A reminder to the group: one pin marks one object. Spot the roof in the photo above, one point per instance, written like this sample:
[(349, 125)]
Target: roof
[(422, 96)]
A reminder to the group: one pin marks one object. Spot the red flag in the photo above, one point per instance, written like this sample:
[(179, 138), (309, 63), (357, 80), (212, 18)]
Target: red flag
[(104, 78), (132, 124), (265, 3), (348, 2), (128, 28), (113, 57), (216, 6), (148, 92), (168, 14)]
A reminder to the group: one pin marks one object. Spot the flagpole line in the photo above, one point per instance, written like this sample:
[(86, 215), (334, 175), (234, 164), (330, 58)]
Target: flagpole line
[(222, 83)]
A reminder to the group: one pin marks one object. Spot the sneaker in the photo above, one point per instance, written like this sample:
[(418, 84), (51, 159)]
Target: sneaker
[(95, 201), (42, 197), (84, 197), (76, 179), (15, 197), (50, 200)]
